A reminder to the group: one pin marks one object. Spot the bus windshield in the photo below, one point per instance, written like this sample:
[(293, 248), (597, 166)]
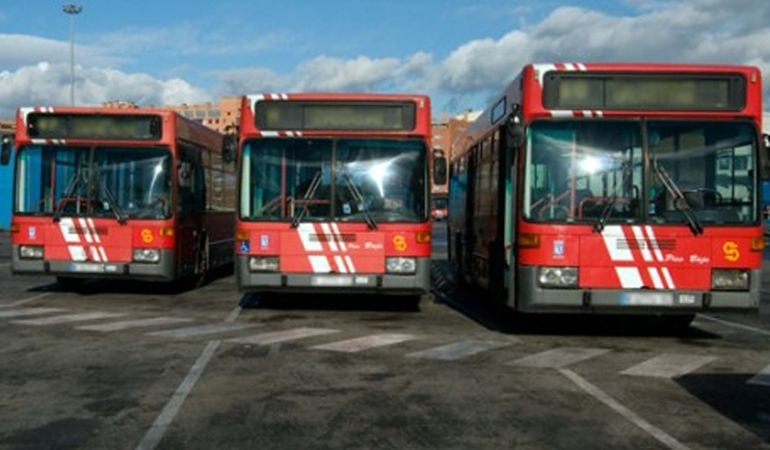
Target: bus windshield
[(94, 181), (587, 171), (334, 179)]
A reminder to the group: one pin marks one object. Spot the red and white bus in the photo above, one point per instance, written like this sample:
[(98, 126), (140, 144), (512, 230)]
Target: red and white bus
[(618, 188), (334, 193), (119, 193)]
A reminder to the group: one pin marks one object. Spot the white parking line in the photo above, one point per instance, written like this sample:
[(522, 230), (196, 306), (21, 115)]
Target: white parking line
[(200, 330), (669, 365), (734, 324), (282, 336), (154, 435), (457, 350), (26, 300), (55, 320), (663, 437), (558, 357), (365, 343), (128, 324), (762, 378), (6, 313)]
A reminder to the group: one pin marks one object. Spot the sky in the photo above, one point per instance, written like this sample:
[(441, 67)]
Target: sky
[(460, 52)]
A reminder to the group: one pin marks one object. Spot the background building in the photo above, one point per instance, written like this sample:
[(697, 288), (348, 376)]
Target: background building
[(445, 132)]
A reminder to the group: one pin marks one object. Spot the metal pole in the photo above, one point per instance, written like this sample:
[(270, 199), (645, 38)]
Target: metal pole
[(72, 10)]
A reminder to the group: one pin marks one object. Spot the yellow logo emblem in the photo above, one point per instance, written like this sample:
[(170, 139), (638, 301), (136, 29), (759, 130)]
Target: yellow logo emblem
[(147, 236), (399, 242), (731, 251)]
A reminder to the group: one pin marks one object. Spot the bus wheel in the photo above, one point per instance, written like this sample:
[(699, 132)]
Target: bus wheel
[(69, 283)]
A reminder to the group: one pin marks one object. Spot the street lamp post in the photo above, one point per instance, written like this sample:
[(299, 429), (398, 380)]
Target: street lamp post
[(72, 10)]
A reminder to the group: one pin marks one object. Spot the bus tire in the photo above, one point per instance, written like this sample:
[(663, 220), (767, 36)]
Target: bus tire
[(70, 283)]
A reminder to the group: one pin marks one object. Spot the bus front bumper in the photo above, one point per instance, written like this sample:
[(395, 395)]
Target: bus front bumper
[(163, 270), (413, 284), (533, 298)]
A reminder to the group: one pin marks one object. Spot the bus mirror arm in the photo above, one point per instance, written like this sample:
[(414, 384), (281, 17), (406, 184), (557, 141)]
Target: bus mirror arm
[(766, 156), (5, 153), (515, 127)]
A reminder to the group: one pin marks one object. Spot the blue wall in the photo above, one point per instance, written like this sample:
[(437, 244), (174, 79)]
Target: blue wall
[(6, 194)]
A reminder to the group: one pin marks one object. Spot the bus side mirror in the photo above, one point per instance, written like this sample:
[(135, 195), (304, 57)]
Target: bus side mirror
[(5, 153), (439, 167), (516, 129), (229, 146)]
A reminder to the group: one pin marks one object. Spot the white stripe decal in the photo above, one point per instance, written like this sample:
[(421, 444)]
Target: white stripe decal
[(269, 133), (305, 230), (336, 229), (86, 230), (656, 281), (587, 113), (569, 66), (93, 229), (560, 114), (599, 113), (68, 231), (668, 278), (103, 253), (654, 243), (77, 252), (340, 264), (629, 277), (642, 243), (95, 254), (581, 67), (319, 263), (613, 235), (350, 264), (329, 237)]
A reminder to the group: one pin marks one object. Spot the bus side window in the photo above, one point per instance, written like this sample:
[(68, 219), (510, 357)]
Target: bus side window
[(192, 182)]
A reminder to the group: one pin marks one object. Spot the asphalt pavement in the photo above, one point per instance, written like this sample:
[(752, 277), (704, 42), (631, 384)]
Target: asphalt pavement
[(137, 365)]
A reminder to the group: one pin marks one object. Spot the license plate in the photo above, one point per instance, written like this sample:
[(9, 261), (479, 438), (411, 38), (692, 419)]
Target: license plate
[(331, 281), (647, 299), (86, 267)]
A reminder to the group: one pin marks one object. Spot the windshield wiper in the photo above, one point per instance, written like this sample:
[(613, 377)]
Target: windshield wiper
[(68, 192), (116, 209), (680, 201), (309, 194), (606, 212), (359, 198)]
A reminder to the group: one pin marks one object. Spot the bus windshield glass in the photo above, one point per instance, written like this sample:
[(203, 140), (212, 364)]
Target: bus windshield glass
[(94, 182), (342, 180), (593, 172), (583, 171), (711, 164)]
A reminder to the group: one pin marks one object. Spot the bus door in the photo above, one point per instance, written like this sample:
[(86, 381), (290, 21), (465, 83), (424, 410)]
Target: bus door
[(509, 169), (191, 207)]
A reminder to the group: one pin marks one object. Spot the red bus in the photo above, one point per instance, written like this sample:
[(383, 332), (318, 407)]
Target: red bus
[(334, 194), (617, 188), (119, 193)]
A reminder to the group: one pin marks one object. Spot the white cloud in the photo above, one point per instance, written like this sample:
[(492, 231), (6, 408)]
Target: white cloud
[(48, 84), (17, 50)]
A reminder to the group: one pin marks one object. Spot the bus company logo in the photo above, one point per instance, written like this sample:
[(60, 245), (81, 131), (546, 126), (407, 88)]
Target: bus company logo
[(730, 250), (147, 236), (369, 246), (558, 248), (32, 232), (399, 243), (698, 259), (264, 241)]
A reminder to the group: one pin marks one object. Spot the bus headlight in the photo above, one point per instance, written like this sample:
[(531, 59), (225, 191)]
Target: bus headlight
[(400, 265), (263, 264), (146, 255), (31, 252), (558, 277), (729, 280)]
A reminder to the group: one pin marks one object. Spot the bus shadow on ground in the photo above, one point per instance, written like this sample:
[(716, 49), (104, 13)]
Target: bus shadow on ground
[(330, 302), (748, 405), (483, 311), (97, 286)]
